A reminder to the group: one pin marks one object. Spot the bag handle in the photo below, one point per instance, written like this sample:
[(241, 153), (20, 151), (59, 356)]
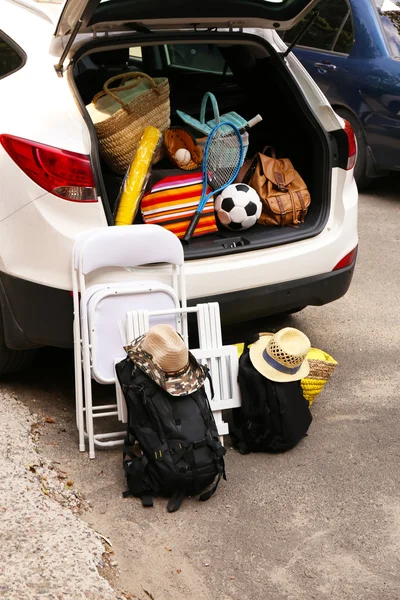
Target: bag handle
[(254, 338), (214, 103), (271, 149), (137, 75)]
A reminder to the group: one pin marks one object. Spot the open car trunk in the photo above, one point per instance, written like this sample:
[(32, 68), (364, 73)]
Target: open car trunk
[(246, 75)]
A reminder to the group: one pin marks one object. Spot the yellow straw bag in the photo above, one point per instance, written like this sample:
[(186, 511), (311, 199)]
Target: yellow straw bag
[(322, 366), (121, 114)]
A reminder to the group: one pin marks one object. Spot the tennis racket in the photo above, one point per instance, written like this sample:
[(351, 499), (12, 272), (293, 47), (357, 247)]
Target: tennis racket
[(222, 159)]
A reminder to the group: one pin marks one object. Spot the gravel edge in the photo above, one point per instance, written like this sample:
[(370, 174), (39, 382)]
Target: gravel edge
[(47, 551)]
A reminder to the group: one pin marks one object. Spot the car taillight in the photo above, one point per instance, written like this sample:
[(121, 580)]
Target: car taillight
[(346, 260), (351, 139), (65, 174)]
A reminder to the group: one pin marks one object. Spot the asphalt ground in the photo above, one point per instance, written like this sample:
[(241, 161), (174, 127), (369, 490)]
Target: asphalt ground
[(319, 522)]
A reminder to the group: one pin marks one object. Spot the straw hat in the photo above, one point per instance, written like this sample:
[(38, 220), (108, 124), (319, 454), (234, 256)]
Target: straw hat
[(281, 356), (162, 354)]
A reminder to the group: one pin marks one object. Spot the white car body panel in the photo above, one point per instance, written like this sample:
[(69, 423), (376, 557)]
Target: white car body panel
[(49, 225)]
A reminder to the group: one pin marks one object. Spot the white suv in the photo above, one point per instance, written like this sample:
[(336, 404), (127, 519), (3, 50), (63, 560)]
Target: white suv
[(55, 57)]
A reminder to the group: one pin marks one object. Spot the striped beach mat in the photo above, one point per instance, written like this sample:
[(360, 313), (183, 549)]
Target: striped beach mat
[(173, 201)]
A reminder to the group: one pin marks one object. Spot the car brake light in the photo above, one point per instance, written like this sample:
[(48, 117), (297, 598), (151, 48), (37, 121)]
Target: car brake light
[(351, 139), (346, 260), (65, 174)]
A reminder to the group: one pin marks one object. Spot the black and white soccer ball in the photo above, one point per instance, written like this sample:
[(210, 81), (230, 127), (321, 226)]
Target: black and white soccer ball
[(238, 206)]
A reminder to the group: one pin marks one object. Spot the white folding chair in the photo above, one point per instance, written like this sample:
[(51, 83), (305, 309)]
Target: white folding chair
[(210, 337), (223, 365), (97, 340), (222, 361)]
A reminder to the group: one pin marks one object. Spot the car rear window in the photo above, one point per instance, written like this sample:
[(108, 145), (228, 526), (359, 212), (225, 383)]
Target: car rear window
[(331, 31), (389, 13)]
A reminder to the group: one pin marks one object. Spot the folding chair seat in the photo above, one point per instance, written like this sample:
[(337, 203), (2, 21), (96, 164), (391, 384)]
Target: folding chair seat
[(97, 340), (107, 305)]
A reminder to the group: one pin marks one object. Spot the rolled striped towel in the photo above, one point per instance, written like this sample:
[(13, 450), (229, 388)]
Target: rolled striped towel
[(173, 201)]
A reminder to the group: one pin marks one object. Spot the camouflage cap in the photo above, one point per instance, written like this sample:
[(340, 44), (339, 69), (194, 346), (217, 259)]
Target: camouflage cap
[(178, 383)]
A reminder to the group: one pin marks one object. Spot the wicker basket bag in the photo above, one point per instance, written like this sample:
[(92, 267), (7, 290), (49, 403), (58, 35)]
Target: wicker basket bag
[(322, 366), (130, 111)]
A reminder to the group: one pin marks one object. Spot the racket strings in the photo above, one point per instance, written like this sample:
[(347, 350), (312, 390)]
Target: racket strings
[(224, 154)]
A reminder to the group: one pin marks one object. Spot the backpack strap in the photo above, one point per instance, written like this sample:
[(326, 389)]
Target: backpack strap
[(148, 389), (205, 414), (269, 149), (213, 443), (134, 467), (175, 501), (187, 452), (254, 338), (303, 206), (147, 500), (207, 374), (207, 495), (243, 447)]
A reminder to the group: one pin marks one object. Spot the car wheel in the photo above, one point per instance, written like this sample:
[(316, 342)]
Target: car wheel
[(360, 169), (12, 361)]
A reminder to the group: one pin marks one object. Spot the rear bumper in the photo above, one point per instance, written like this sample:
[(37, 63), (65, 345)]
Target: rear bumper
[(36, 315), (283, 297)]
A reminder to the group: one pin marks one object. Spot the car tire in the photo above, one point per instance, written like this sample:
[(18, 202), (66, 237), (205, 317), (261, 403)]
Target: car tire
[(360, 169), (12, 361)]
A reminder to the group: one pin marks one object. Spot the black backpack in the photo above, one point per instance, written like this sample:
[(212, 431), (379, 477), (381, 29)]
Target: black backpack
[(172, 446), (273, 417)]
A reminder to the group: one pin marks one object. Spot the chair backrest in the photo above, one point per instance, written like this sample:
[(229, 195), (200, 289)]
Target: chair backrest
[(128, 246), (102, 305), (223, 365)]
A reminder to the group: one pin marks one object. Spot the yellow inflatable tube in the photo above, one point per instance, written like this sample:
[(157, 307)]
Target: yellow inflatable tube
[(136, 177)]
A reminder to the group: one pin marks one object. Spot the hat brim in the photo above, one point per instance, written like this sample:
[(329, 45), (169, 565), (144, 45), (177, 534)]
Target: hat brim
[(259, 363), (184, 383), (188, 382)]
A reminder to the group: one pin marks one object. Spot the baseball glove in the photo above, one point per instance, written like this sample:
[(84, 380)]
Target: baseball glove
[(177, 138)]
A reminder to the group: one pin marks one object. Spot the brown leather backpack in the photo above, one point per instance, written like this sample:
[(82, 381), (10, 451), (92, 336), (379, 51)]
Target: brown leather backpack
[(283, 193)]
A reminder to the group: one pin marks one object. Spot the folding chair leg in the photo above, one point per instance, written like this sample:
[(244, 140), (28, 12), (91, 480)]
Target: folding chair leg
[(79, 406), (122, 408), (89, 418), (221, 425), (78, 384), (88, 404)]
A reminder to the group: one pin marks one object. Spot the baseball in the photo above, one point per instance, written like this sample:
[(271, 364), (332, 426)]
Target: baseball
[(182, 156)]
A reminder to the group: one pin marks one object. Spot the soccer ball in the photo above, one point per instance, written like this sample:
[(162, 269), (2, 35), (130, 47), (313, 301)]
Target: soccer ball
[(238, 206)]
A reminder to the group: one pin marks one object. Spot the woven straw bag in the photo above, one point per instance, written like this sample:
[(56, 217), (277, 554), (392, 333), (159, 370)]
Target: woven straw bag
[(119, 134), (322, 366)]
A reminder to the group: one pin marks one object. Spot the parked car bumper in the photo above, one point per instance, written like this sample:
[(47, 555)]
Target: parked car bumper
[(283, 297), (42, 316)]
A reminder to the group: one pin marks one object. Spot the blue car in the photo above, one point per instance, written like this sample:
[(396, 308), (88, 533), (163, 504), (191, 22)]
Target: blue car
[(352, 50)]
